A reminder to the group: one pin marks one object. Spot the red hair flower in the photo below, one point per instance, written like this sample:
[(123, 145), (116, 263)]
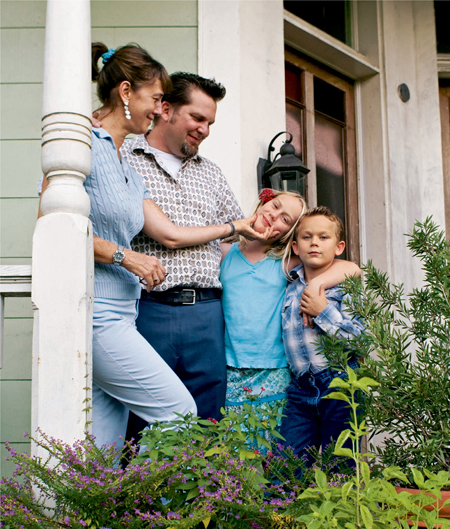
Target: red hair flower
[(266, 195)]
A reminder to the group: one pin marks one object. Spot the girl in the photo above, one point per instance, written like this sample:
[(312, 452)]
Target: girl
[(254, 278)]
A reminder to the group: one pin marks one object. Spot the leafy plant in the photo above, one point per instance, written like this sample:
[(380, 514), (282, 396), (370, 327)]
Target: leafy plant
[(365, 502), (185, 486), (297, 474), (406, 348), (200, 474), (195, 473)]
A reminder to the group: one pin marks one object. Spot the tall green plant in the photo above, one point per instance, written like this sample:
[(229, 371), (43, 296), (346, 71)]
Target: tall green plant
[(407, 351)]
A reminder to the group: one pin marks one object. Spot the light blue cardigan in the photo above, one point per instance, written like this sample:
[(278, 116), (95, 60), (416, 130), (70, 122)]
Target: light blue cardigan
[(116, 193)]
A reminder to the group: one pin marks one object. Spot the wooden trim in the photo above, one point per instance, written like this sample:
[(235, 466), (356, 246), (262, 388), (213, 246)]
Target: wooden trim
[(310, 70), (444, 105), (443, 65), (310, 134), (306, 38), (351, 181)]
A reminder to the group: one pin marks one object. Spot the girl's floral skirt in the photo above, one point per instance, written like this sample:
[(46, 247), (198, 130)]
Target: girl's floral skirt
[(267, 387)]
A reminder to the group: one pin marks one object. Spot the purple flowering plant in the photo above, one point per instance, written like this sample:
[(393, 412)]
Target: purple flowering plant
[(202, 474), (192, 473)]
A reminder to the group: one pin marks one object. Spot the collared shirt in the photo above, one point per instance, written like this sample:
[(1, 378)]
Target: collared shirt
[(300, 342), (198, 195)]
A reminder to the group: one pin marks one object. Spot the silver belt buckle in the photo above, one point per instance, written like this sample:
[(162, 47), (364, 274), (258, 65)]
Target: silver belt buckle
[(193, 298)]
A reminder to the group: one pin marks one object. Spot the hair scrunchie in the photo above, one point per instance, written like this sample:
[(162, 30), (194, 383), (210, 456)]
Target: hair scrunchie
[(107, 55)]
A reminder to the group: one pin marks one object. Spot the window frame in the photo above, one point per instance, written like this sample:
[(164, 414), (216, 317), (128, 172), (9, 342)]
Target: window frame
[(311, 69), (444, 107)]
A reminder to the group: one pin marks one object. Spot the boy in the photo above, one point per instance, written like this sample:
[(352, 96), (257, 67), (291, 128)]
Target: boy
[(309, 419)]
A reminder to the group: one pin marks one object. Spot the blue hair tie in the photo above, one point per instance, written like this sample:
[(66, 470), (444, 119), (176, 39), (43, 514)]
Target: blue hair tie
[(107, 55)]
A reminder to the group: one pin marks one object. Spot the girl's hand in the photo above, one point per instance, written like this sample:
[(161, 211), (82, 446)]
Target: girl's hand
[(244, 227), (148, 268), (313, 304)]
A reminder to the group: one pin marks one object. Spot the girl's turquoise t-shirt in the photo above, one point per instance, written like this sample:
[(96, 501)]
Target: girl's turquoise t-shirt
[(252, 301)]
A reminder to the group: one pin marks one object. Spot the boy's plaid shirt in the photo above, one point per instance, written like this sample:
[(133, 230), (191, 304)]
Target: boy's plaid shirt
[(300, 342)]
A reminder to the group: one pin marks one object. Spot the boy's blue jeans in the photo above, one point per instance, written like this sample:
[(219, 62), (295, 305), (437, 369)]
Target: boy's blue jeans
[(310, 420)]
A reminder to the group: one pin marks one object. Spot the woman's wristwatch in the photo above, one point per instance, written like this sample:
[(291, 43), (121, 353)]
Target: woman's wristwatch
[(118, 256)]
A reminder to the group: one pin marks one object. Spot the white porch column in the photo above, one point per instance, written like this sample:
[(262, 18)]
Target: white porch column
[(63, 266), (241, 44)]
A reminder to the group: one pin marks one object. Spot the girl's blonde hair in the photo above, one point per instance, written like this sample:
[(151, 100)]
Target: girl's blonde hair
[(282, 248)]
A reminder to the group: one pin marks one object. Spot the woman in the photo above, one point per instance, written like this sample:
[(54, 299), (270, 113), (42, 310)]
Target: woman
[(128, 374)]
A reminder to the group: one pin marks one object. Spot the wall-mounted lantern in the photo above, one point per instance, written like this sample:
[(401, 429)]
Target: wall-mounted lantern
[(286, 172)]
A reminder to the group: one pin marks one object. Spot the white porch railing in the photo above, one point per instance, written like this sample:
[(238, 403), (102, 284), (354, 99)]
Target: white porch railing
[(15, 281)]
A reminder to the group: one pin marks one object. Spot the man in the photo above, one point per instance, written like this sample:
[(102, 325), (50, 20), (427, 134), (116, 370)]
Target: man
[(182, 318)]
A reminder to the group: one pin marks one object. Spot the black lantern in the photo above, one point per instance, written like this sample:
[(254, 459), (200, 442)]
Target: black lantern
[(286, 172)]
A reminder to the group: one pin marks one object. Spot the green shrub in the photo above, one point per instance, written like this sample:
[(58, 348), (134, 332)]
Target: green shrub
[(406, 348)]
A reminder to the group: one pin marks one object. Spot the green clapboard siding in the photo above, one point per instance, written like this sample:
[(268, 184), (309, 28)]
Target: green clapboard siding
[(24, 49), (105, 13), (18, 307), (168, 30), (7, 468), (157, 42), (20, 164), (17, 338), (15, 400), (18, 217)]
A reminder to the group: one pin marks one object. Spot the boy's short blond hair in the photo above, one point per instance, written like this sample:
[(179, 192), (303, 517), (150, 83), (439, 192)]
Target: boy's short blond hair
[(325, 212)]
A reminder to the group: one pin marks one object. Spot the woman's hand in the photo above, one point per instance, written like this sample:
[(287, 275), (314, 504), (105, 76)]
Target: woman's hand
[(244, 227), (148, 268)]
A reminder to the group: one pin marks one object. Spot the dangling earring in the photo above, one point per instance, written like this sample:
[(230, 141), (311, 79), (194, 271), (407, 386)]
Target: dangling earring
[(127, 111)]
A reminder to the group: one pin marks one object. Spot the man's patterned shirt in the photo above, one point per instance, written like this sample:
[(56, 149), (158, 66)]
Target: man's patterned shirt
[(198, 196)]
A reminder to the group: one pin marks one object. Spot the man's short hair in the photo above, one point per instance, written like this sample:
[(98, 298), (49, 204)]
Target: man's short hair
[(183, 83), (325, 212)]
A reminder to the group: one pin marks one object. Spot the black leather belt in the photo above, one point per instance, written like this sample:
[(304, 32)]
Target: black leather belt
[(183, 296)]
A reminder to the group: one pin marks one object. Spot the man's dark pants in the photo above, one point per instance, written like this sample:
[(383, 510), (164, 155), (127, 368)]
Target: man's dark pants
[(190, 338)]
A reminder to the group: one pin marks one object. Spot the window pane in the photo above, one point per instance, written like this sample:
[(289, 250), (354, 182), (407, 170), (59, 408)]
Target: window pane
[(329, 100), (293, 84), (330, 166), (294, 125), (329, 16), (442, 14)]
